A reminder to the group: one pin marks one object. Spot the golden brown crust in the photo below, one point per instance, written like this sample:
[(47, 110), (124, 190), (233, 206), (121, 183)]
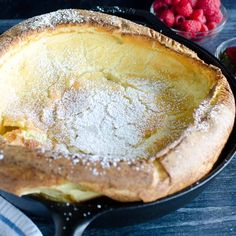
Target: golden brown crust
[(19, 178), (178, 165)]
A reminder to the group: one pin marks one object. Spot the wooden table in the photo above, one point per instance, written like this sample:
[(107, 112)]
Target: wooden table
[(212, 213)]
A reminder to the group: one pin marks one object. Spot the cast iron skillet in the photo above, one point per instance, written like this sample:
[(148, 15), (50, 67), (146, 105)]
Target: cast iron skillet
[(73, 219)]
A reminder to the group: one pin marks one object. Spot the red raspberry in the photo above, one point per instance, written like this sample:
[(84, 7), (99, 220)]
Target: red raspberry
[(218, 3), (168, 2), (204, 20), (185, 11), (167, 16), (193, 3), (179, 19), (217, 17), (188, 35), (159, 6), (204, 28), (231, 53), (175, 2), (183, 3), (209, 3), (199, 16), (191, 26), (210, 12), (209, 7), (211, 25)]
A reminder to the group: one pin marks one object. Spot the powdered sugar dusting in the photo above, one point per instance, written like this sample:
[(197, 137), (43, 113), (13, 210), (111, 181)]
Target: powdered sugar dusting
[(54, 18), (104, 121), (72, 16), (201, 122), (204, 115)]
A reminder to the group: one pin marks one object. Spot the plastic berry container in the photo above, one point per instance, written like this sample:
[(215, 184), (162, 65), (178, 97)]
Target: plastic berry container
[(221, 50), (202, 36)]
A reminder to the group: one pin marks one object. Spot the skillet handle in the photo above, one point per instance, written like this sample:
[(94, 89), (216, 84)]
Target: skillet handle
[(72, 220), (68, 228)]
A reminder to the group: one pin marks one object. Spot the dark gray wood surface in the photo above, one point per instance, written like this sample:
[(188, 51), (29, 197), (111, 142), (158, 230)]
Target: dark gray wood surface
[(212, 213)]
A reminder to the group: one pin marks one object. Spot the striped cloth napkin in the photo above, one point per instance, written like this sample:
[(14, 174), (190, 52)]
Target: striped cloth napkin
[(14, 223)]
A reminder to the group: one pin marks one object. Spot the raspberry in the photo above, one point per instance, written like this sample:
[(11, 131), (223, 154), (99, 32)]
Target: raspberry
[(199, 16), (167, 16), (231, 53), (183, 3), (209, 7), (188, 35), (211, 25), (168, 2), (204, 20), (218, 3), (159, 6), (179, 19), (191, 26), (193, 3), (185, 10), (204, 28), (175, 2), (208, 3), (210, 12), (217, 17)]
